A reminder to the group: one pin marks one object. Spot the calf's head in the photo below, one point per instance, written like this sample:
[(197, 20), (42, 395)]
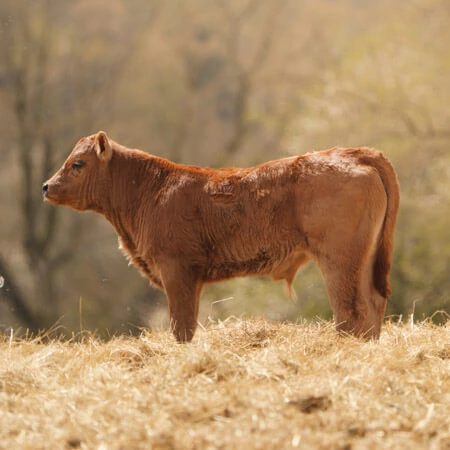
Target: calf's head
[(79, 181)]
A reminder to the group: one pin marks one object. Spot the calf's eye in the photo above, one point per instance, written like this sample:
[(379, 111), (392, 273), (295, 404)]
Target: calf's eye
[(77, 164)]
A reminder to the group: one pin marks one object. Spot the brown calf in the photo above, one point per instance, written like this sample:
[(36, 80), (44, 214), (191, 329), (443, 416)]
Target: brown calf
[(185, 226)]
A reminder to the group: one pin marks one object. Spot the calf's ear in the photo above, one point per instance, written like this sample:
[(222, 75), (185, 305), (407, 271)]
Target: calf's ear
[(103, 146)]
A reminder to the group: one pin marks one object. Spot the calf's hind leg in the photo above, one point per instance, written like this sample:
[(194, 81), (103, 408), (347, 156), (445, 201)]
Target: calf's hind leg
[(376, 303), (346, 257), (183, 296), (346, 300), (357, 306)]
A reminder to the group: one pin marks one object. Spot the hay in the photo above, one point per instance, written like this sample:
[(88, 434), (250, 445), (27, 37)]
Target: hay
[(241, 384)]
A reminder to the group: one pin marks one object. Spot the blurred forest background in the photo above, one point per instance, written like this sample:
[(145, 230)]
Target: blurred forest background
[(214, 82)]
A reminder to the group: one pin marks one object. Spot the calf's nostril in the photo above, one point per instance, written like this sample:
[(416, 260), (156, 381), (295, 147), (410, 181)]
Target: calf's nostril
[(45, 187)]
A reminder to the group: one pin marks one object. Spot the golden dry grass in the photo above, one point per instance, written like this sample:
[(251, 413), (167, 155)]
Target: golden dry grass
[(249, 384)]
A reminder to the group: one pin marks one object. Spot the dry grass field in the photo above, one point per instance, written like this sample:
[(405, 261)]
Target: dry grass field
[(241, 384)]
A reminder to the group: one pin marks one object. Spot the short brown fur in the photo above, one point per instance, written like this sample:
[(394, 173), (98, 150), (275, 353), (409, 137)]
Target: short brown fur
[(186, 226)]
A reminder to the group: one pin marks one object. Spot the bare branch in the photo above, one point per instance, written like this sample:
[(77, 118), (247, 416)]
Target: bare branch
[(65, 251), (240, 126), (11, 293), (268, 37), (376, 106), (246, 72)]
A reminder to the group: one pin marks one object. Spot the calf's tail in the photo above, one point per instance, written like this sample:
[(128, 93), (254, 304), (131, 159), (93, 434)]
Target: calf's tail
[(383, 257)]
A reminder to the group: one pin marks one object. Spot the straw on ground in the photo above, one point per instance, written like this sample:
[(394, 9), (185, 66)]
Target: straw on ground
[(241, 384)]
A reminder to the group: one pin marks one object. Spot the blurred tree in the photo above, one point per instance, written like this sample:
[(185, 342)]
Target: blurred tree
[(214, 82), (380, 95), (27, 39), (45, 72)]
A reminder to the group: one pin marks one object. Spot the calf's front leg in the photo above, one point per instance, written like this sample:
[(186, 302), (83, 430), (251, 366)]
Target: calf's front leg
[(183, 295)]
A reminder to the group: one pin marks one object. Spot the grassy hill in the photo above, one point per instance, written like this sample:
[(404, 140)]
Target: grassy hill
[(249, 384)]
